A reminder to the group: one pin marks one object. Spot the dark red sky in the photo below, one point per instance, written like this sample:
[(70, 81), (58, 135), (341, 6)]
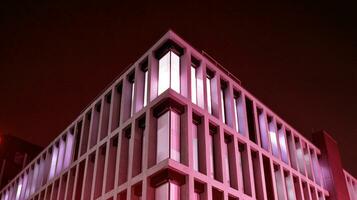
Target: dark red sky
[(300, 59)]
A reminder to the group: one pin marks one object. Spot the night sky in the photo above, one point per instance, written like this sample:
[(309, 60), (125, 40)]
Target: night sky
[(300, 59)]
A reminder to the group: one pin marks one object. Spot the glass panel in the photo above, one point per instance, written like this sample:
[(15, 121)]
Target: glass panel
[(279, 184), (175, 72), (195, 146), (290, 187), (24, 185), (132, 98), (60, 157), (163, 137), (69, 150), (211, 153), (273, 139), (174, 192), (226, 161), (34, 179), (162, 192), (53, 163), (283, 148), (199, 92), (164, 73), (193, 85), (19, 187), (146, 81), (263, 131), (209, 99), (175, 136), (223, 106), (236, 121)]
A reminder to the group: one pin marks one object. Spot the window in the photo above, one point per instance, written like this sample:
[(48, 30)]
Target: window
[(289, 186), (169, 72), (116, 106), (193, 84), (263, 130), (279, 183), (199, 189), (124, 155), (146, 85), (69, 150), (238, 112), (223, 106), (53, 162), (211, 153), (250, 119), (300, 156), (308, 162), (230, 161), (60, 156), (257, 174), (138, 146), (168, 136), (244, 168), (273, 138), (132, 92), (18, 191), (195, 146), (282, 144), (316, 167), (209, 97), (99, 171), (168, 190)]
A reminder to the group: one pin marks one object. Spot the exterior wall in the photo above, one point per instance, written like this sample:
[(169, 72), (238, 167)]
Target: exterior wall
[(242, 149), (351, 183)]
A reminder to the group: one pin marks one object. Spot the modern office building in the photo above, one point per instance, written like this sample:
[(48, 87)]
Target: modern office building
[(177, 125)]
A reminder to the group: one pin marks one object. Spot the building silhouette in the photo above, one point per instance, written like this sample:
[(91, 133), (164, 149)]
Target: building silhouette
[(15, 154), (177, 125)]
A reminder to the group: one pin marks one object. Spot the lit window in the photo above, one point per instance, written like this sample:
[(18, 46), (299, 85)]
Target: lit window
[(282, 144), (263, 130), (34, 179), (193, 85), (236, 119), (132, 87), (69, 150), (163, 128), (175, 136), (53, 162), (223, 107), (168, 145), (60, 157), (195, 146), (273, 138), (239, 112), (18, 192), (169, 72), (24, 185), (209, 99), (146, 85), (300, 156)]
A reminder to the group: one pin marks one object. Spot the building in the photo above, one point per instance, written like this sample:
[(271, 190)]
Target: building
[(15, 154), (177, 125)]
